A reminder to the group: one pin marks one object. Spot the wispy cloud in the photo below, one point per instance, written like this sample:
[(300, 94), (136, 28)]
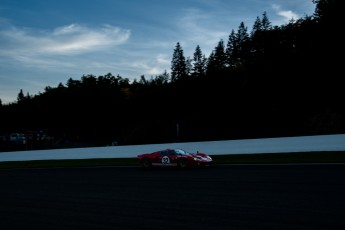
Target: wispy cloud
[(154, 66), (47, 57), (286, 15), (66, 40)]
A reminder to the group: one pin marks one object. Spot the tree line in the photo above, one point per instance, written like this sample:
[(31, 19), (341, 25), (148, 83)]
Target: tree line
[(272, 81)]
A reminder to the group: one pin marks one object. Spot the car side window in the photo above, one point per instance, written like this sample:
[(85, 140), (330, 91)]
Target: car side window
[(172, 153)]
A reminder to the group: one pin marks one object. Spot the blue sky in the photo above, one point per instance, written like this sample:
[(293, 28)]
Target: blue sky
[(45, 42)]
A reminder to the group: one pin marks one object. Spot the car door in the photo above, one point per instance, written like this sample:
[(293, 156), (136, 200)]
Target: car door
[(167, 158)]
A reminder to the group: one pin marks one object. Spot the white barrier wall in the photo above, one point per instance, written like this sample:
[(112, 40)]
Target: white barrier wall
[(248, 146)]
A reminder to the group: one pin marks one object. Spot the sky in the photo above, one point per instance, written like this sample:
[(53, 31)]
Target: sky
[(46, 42)]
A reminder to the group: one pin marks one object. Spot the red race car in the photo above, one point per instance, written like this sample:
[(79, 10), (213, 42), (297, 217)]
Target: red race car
[(174, 157)]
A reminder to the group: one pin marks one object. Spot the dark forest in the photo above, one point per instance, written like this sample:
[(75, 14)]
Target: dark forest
[(269, 81)]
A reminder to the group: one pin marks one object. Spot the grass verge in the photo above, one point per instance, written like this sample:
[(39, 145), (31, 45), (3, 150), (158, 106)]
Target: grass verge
[(263, 158)]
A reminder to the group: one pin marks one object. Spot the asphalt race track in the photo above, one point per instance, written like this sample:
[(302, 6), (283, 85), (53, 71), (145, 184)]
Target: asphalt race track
[(221, 197)]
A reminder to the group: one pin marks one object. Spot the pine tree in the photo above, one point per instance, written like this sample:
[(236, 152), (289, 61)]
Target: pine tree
[(259, 35), (231, 51), (178, 64), (257, 26), (265, 22), (238, 49), (20, 96), (217, 59), (189, 66), (73, 83), (328, 10), (242, 42), (210, 69), (219, 55), (163, 78), (199, 62)]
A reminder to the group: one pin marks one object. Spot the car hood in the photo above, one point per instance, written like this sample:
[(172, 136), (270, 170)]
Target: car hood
[(202, 156)]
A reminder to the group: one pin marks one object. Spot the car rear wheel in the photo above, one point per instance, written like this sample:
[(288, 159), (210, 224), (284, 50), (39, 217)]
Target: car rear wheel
[(146, 163)]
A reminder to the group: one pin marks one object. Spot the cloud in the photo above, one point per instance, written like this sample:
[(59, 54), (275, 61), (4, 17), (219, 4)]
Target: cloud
[(163, 59), (66, 40), (286, 15), (155, 66), (154, 71)]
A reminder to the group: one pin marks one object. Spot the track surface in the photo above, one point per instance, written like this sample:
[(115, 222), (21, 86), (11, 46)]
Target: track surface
[(221, 197)]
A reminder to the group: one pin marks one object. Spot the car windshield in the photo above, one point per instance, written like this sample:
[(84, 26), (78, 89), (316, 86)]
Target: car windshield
[(181, 152)]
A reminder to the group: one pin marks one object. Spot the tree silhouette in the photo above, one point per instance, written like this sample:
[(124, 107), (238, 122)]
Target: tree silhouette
[(199, 63), (242, 40), (231, 51), (20, 96), (178, 64)]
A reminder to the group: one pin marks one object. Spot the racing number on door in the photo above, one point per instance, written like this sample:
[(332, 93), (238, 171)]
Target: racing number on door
[(165, 160)]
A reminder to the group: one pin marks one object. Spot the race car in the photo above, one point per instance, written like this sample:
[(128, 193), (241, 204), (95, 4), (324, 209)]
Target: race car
[(174, 157)]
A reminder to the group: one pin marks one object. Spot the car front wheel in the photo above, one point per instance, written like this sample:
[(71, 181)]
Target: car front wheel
[(146, 163)]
